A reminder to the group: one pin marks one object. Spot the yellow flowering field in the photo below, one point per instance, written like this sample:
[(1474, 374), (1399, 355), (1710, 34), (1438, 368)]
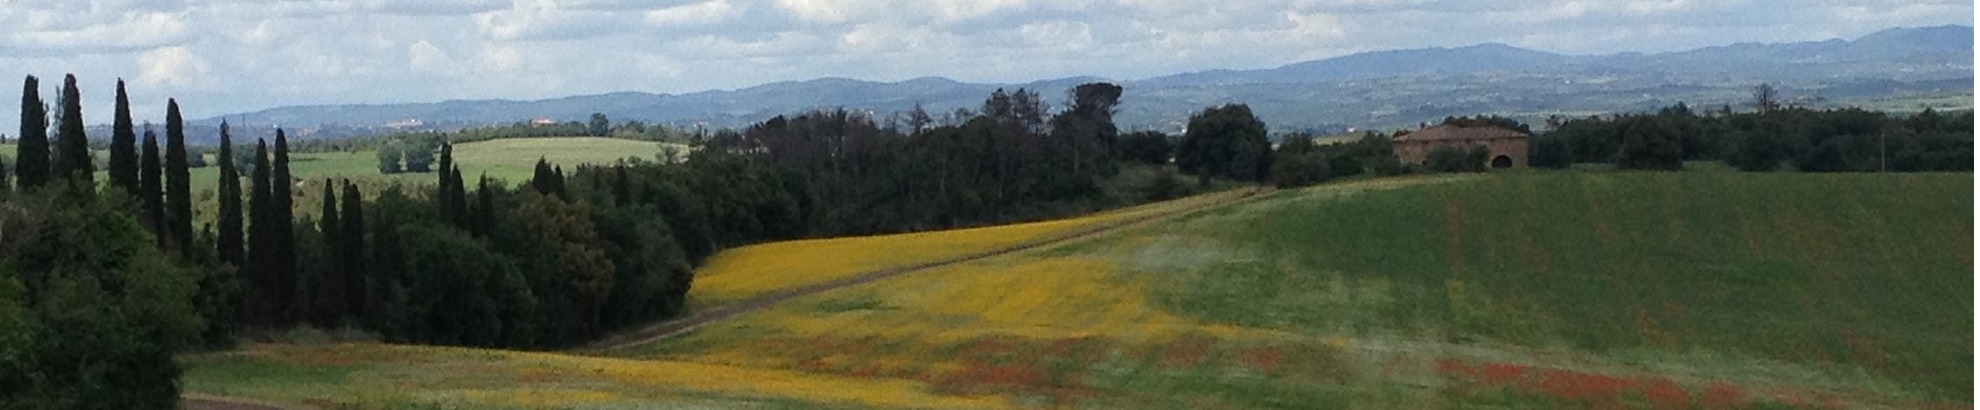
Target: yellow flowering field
[(750, 271), (370, 375)]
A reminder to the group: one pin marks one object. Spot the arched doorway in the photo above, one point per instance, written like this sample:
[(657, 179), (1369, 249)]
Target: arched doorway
[(1501, 162)]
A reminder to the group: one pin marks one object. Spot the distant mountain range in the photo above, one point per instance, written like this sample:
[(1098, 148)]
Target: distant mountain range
[(1380, 89)]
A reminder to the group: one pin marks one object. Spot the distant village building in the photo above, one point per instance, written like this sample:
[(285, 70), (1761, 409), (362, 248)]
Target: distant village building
[(542, 122), (1507, 146)]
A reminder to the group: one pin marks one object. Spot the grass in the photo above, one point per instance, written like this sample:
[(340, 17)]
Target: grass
[(1608, 289), (365, 375), (1861, 279)]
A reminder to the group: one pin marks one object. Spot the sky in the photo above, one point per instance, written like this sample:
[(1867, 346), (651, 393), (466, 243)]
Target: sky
[(228, 56)]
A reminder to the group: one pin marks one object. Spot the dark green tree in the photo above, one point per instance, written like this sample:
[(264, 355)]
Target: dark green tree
[(90, 311), (1759, 152), (1447, 158), (328, 289), (266, 301), (598, 127), (443, 194), (1650, 143), (73, 159), (123, 145), (151, 187), (456, 206), (230, 202), (4, 183), (390, 156), (350, 251), (281, 208), (1225, 142), (31, 155), (178, 179), (1147, 147), (1550, 151), (1298, 169)]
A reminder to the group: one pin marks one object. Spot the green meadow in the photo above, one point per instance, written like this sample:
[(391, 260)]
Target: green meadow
[(1850, 282)]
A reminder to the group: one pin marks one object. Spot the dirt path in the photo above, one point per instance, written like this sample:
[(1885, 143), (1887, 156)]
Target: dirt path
[(717, 314), (196, 401)]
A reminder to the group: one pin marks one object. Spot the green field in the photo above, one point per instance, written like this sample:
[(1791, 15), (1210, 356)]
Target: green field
[(1526, 289), (1859, 281), (510, 161)]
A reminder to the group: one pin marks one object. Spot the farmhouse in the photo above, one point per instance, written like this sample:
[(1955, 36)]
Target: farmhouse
[(1507, 147)]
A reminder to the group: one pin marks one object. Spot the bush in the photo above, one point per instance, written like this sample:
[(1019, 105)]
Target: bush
[(1147, 147), (1758, 152), (1552, 152), (1445, 158), (1651, 143), (1300, 170)]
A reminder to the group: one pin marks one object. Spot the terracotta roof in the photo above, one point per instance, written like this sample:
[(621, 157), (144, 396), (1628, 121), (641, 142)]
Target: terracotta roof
[(1452, 132)]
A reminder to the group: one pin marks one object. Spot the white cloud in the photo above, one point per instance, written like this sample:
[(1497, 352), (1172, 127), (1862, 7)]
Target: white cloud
[(172, 67), (427, 58)]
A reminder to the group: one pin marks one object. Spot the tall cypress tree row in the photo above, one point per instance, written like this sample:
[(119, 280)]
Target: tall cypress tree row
[(31, 155), (151, 187), (281, 220), (123, 145), (230, 200), (178, 179), (73, 160), (351, 252), (265, 303)]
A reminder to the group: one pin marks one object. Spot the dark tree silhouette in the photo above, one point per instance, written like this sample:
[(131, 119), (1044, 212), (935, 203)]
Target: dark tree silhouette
[(73, 157), (151, 186), (266, 301), (123, 145), (31, 155), (350, 251), (178, 179), (230, 201)]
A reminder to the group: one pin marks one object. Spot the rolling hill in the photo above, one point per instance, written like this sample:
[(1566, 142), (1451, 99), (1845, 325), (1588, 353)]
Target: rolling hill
[(1505, 290), (1367, 90)]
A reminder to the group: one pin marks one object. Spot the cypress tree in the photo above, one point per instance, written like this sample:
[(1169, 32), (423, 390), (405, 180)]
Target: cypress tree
[(73, 160), (123, 145), (31, 154), (281, 208), (265, 298), (457, 200), (541, 178), (484, 215), (351, 251), (443, 196), (151, 187), (178, 179), (329, 289), (230, 200)]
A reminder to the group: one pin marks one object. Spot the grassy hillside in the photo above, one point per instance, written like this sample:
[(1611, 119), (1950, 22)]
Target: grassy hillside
[(1565, 289)]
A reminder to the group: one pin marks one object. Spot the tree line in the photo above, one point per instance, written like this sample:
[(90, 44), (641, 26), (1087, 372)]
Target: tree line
[(101, 283), (1771, 138)]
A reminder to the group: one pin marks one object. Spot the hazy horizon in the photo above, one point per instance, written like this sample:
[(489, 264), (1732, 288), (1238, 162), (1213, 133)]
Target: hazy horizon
[(220, 57)]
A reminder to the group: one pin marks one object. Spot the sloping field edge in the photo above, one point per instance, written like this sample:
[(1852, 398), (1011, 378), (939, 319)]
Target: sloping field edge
[(677, 327)]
